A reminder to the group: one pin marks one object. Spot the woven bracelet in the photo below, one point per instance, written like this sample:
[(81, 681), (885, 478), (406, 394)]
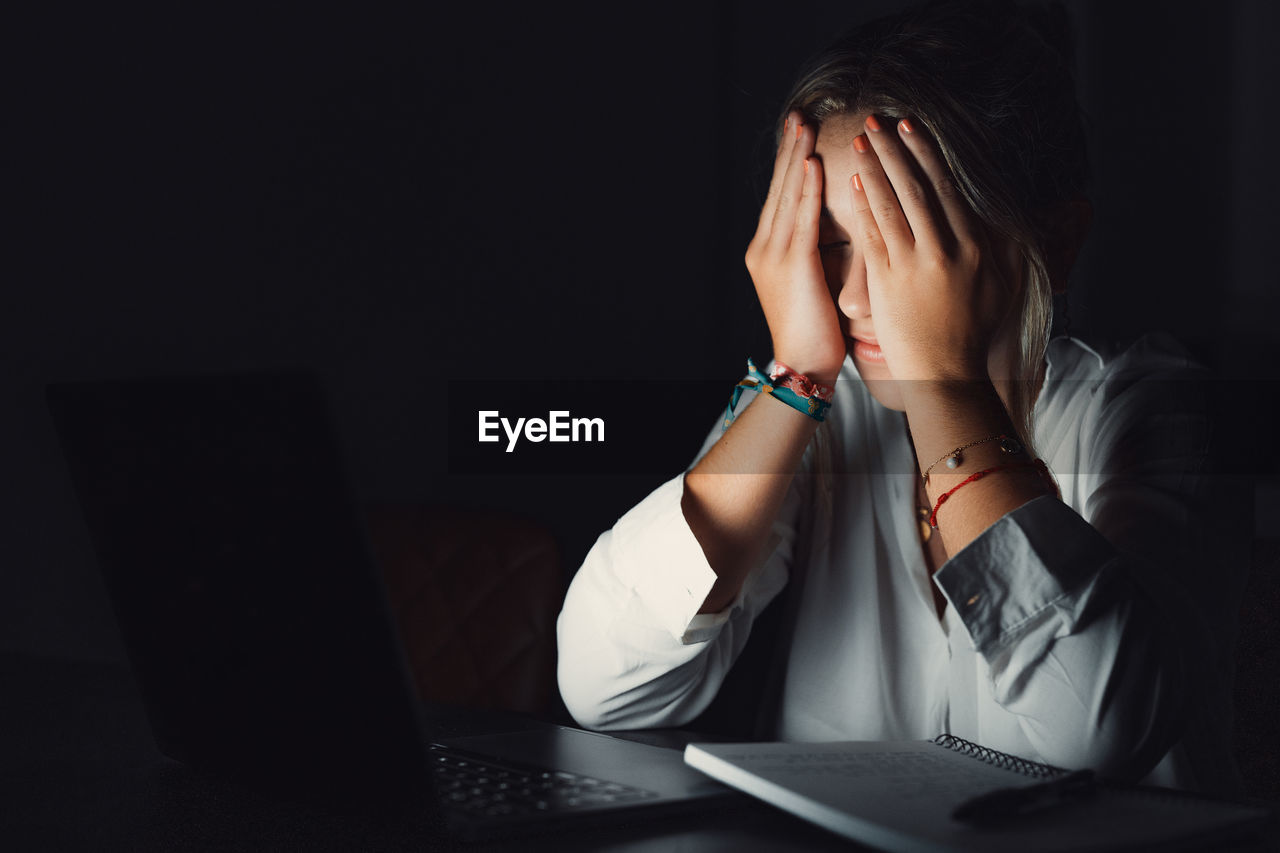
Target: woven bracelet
[(783, 390)]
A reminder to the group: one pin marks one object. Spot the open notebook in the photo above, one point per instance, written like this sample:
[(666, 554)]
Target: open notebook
[(900, 796)]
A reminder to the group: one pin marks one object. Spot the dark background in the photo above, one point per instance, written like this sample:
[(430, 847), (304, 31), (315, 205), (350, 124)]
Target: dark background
[(501, 194)]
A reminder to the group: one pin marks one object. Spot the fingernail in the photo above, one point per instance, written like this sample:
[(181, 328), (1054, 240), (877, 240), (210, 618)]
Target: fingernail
[(857, 182), (798, 127), (860, 143), (806, 165), (786, 124), (905, 126), (873, 124)]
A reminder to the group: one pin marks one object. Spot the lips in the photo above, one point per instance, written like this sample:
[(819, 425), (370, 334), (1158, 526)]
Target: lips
[(867, 350)]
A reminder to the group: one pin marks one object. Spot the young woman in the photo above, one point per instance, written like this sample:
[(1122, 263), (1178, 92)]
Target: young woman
[(980, 531)]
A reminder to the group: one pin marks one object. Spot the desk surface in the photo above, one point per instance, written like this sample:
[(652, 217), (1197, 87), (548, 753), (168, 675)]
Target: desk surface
[(79, 770)]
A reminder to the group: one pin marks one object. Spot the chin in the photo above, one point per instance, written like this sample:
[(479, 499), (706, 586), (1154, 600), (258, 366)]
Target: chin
[(886, 393), (882, 386)]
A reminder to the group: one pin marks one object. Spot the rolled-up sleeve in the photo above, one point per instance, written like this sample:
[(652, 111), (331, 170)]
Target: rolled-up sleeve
[(1039, 560), (1106, 633), (1074, 648), (633, 650)]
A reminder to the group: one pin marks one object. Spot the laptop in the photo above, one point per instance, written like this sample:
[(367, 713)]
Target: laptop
[(258, 628)]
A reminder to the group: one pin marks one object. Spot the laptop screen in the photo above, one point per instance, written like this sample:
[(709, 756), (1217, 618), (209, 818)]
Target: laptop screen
[(239, 572)]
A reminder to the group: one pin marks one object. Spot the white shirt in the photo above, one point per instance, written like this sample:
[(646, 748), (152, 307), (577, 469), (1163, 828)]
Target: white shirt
[(1095, 631)]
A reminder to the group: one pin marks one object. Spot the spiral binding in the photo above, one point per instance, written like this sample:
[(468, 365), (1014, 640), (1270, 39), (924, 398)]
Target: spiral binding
[(1002, 760)]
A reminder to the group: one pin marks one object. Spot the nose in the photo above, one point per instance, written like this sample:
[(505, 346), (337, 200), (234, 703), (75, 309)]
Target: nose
[(852, 298)]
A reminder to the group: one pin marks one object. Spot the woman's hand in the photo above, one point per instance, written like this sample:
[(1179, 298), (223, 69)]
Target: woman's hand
[(785, 266), (937, 294)]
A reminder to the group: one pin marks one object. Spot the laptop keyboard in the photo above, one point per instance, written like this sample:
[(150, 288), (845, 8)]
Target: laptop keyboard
[(483, 788)]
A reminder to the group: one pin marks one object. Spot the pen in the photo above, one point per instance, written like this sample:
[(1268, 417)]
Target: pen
[(1007, 802)]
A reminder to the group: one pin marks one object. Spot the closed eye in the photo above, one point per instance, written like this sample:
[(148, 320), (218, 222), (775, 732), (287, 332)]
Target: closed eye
[(823, 247)]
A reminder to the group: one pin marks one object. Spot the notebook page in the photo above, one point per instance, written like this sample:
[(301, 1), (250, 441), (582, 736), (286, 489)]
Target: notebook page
[(899, 796)]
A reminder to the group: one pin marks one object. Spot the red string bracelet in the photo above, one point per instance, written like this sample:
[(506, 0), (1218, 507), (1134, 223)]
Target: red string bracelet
[(1038, 464)]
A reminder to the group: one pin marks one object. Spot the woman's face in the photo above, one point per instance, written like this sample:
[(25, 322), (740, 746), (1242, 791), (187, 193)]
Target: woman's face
[(846, 271)]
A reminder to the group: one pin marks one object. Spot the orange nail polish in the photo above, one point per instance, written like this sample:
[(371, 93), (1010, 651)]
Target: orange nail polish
[(806, 165), (860, 144), (905, 126), (873, 124), (857, 182), (798, 128)]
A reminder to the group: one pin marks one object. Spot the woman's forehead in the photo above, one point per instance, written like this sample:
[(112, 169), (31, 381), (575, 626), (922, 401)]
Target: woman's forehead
[(837, 133), (835, 149)]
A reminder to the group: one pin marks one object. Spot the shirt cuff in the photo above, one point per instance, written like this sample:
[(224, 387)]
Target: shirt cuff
[(704, 626), (1041, 555), (660, 560)]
